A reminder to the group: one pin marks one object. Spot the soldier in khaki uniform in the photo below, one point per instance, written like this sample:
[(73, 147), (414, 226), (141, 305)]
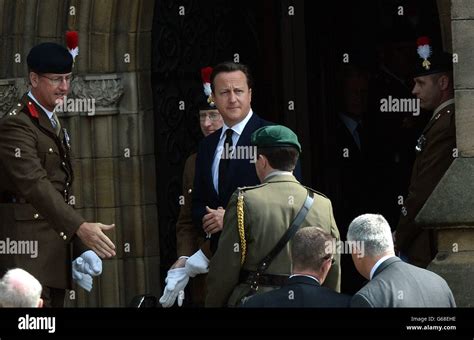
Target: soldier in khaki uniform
[(188, 238), (35, 180), (257, 217), (435, 152)]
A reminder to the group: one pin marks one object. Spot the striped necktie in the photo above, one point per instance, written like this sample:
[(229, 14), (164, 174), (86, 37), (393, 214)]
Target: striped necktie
[(55, 123)]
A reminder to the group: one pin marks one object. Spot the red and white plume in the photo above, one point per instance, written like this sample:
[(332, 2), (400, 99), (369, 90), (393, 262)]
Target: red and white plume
[(72, 43), (424, 50), (206, 83)]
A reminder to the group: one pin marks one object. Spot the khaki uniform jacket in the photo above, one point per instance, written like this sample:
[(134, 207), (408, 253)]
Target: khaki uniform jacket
[(269, 209), (431, 163), (188, 239), (35, 180)]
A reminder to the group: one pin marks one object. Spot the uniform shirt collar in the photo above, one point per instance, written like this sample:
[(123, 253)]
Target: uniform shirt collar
[(49, 113), (442, 106), (378, 263), (237, 128), (277, 173)]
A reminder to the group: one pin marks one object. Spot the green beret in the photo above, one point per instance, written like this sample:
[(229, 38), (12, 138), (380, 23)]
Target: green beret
[(49, 58), (275, 136)]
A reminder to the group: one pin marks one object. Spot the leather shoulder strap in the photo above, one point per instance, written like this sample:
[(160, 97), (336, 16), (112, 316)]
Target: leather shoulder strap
[(290, 232)]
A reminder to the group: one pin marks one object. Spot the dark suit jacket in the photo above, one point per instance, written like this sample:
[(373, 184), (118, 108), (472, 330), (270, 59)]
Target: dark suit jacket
[(299, 291), (430, 166), (241, 172), (35, 180), (399, 284)]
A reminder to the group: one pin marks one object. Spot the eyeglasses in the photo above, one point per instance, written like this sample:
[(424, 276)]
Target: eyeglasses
[(212, 116), (58, 80), (333, 260)]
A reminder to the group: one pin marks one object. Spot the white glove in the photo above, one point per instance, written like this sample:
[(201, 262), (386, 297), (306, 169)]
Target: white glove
[(197, 264), (92, 263), (82, 279), (176, 281)]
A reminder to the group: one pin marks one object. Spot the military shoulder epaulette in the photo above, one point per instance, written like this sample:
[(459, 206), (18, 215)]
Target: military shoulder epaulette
[(316, 192), (15, 110), (251, 187)]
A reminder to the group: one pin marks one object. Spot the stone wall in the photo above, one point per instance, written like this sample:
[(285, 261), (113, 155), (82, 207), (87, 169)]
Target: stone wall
[(114, 155), (449, 208)]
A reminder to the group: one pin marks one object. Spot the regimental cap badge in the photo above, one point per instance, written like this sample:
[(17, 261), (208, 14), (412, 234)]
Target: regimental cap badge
[(207, 103), (424, 50), (434, 60)]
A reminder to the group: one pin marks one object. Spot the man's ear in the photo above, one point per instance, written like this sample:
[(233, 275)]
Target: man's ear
[(33, 79), (443, 82), (40, 303)]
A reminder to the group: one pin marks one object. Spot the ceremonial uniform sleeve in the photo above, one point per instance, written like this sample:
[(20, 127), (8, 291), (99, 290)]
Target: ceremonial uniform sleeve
[(224, 268), (436, 159), (20, 159), (198, 204), (186, 233)]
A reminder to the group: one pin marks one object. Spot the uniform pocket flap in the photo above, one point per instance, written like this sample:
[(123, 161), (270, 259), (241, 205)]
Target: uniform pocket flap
[(26, 212)]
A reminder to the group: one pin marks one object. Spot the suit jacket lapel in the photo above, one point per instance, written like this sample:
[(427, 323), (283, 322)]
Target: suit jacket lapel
[(250, 127), (237, 166)]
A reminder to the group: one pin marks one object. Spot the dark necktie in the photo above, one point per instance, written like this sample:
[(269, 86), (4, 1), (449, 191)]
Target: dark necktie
[(225, 159), (56, 124)]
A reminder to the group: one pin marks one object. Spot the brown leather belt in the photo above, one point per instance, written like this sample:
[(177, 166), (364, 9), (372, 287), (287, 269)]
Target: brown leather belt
[(250, 277)]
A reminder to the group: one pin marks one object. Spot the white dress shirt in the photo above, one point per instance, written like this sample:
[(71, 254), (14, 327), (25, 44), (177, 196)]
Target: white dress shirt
[(311, 277), (237, 128)]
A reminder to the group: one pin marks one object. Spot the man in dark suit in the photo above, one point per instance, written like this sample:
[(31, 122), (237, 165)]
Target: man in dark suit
[(36, 176), (218, 172), (435, 152), (350, 185), (311, 264), (393, 283)]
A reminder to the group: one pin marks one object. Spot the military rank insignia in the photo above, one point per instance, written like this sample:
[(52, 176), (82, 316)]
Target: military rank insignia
[(67, 140), (420, 143)]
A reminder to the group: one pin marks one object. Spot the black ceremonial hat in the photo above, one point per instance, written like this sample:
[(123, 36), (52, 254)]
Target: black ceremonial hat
[(49, 58)]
